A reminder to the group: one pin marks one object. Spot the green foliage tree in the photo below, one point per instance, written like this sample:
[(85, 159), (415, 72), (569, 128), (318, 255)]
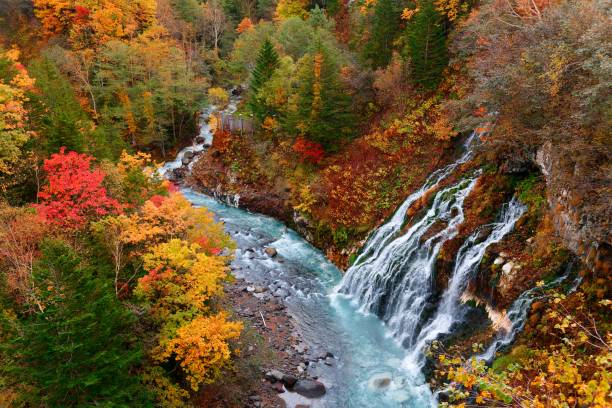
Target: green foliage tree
[(59, 117), (323, 111), (386, 26), (426, 46), (267, 62), (80, 350), (147, 91)]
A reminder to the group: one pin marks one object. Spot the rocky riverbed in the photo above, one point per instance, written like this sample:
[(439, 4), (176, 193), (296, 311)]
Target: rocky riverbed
[(284, 369)]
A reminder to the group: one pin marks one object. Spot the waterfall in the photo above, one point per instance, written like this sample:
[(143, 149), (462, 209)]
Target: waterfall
[(380, 237), (392, 275), (467, 261), (517, 313), (396, 284)]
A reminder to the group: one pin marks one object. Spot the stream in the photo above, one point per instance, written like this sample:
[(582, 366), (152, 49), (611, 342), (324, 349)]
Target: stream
[(378, 318), (365, 355)]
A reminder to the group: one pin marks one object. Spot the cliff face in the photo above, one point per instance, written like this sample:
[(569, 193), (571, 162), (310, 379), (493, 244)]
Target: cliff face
[(580, 204)]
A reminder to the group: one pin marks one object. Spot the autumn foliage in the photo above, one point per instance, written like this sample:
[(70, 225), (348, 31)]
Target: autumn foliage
[(74, 194), (308, 151)]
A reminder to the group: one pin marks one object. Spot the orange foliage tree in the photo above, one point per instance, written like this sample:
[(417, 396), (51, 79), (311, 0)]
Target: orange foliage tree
[(14, 84), (21, 232), (94, 22)]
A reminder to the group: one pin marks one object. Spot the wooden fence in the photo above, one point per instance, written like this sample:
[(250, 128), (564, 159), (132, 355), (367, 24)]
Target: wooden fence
[(235, 124)]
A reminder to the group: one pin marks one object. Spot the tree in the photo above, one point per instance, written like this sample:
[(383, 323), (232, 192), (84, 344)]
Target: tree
[(294, 36), (214, 22), (91, 23), (426, 46), (244, 25), (201, 347), (75, 193), (323, 111), (14, 84), (21, 232), (291, 8), (78, 351), (386, 26), (60, 119), (267, 63)]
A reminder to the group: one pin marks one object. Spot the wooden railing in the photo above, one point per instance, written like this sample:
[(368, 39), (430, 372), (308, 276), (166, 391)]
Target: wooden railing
[(235, 124)]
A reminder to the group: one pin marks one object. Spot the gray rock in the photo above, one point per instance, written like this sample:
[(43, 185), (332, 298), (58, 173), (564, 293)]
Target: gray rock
[(281, 293), (309, 388), (503, 254), (499, 260), (275, 375), (260, 289)]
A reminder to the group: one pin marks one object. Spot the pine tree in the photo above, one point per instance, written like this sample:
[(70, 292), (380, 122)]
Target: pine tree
[(78, 351), (385, 29), (59, 117), (324, 111), (267, 63), (426, 46)]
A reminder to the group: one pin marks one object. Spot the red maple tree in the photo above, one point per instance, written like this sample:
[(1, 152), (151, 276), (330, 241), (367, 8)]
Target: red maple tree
[(75, 193), (308, 151)]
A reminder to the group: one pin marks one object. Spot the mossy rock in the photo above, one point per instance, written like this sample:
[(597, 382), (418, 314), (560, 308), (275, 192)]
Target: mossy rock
[(516, 356)]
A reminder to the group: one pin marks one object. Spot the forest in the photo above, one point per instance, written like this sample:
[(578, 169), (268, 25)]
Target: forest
[(150, 149)]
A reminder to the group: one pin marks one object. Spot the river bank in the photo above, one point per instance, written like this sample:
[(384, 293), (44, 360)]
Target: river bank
[(270, 342)]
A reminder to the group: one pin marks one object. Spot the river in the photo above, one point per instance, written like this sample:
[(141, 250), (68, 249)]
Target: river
[(366, 370)]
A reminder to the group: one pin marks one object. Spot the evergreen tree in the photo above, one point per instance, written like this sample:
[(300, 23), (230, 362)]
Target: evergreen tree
[(386, 26), (426, 46), (78, 351), (267, 63), (59, 117), (324, 111)]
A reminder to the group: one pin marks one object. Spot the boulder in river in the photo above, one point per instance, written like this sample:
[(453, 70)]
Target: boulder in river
[(380, 381), (200, 140), (289, 380), (271, 252), (281, 293), (309, 388)]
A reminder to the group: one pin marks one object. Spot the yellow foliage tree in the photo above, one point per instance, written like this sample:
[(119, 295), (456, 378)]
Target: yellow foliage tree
[(13, 117), (291, 8), (202, 348), (218, 96), (451, 8)]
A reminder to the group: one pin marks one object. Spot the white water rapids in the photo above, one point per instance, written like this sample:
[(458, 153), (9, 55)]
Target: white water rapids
[(380, 316)]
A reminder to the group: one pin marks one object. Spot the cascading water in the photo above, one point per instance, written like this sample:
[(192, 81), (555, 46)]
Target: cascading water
[(387, 231), (302, 276), (517, 313), (396, 284), (200, 143), (466, 263), (392, 278)]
